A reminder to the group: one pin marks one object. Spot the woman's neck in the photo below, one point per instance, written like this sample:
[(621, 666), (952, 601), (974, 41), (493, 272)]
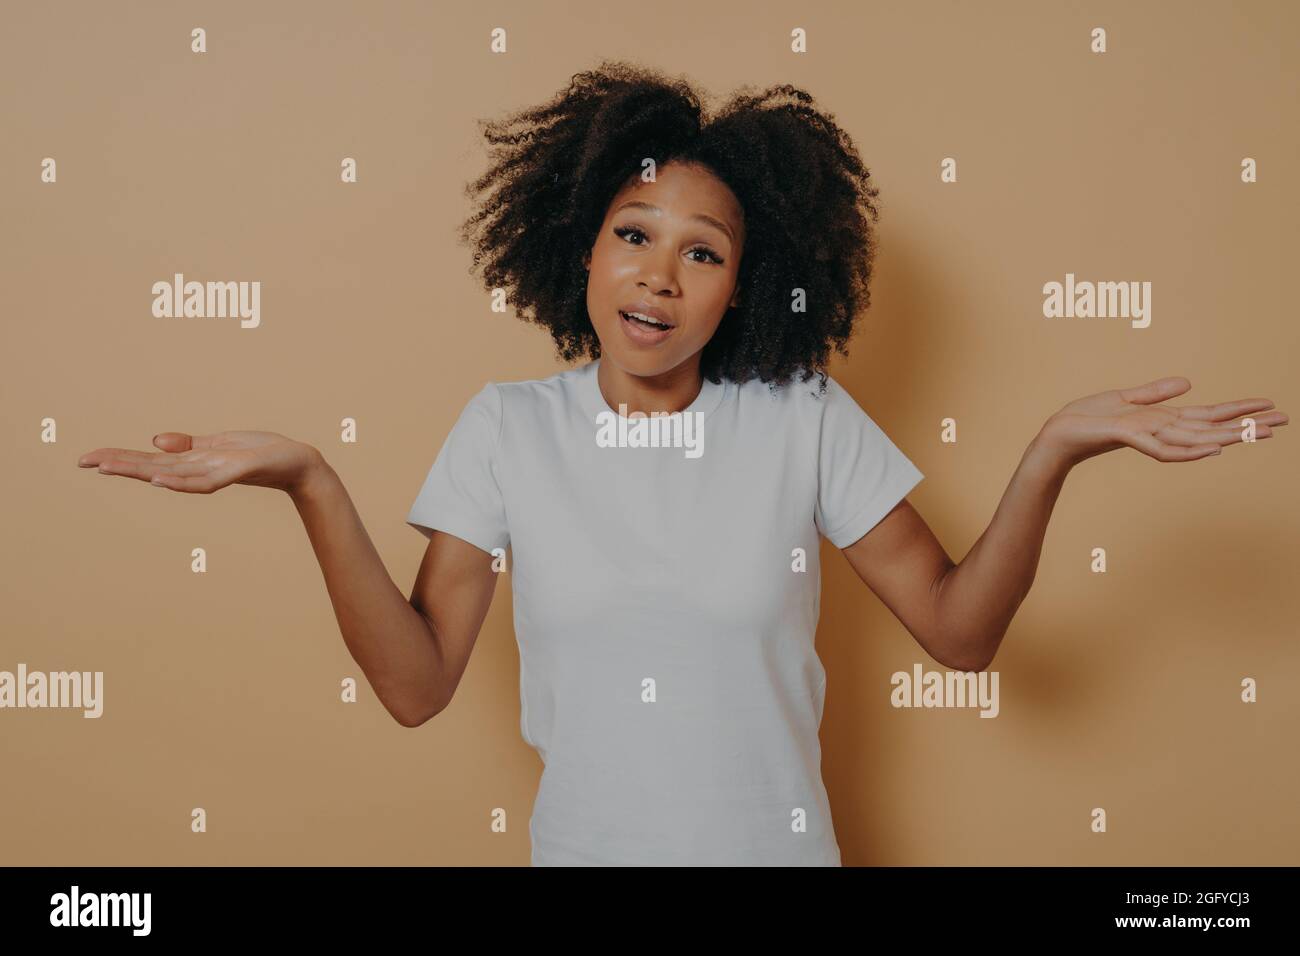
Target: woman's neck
[(665, 393)]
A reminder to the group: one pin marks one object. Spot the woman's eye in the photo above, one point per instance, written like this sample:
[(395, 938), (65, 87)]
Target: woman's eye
[(623, 232)]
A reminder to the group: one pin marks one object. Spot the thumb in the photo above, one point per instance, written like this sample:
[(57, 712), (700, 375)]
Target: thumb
[(1157, 391), (173, 441)]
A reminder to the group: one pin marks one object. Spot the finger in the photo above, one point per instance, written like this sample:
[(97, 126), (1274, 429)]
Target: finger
[(145, 468), (1266, 420), (1223, 410), (1160, 451), (1272, 419), (92, 458), (1176, 435), (136, 464), (112, 457), (128, 467), (183, 441), (1157, 391), (159, 457)]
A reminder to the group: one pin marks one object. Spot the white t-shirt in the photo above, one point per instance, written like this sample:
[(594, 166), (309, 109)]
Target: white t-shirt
[(668, 677)]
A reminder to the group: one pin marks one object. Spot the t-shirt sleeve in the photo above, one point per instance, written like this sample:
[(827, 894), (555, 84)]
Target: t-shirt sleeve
[(462, 494), (861, 473)]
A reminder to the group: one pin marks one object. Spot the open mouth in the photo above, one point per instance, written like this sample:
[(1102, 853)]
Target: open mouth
[(643, 330), (644, 321)]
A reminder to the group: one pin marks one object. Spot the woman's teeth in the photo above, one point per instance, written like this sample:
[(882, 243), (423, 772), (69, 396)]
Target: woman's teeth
[(644, 320)]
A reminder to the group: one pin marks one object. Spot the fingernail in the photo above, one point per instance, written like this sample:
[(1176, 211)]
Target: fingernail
[(156, 482)]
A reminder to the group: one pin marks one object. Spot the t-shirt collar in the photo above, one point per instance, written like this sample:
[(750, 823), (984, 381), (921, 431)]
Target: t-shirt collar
[(593, 402)]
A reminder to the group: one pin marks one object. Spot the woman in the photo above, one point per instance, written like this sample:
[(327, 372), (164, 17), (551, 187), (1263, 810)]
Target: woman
[(666, 581)]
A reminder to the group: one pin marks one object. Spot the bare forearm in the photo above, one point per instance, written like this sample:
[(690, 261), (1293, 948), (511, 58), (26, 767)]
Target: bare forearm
[(389, 639), (978, 597)]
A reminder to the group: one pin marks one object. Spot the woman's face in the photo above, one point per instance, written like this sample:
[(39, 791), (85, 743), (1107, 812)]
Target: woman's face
[(670, 249)]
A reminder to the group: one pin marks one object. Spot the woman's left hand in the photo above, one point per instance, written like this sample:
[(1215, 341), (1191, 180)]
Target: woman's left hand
[(1130, 416)]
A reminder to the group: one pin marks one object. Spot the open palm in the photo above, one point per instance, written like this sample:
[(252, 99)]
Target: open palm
[(202, 464), (1131, 416)]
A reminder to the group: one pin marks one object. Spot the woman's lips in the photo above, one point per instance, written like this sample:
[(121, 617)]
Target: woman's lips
[(640, 333)]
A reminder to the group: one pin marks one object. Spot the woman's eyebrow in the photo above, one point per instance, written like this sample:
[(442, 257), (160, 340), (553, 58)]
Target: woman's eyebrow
[(702, 217)]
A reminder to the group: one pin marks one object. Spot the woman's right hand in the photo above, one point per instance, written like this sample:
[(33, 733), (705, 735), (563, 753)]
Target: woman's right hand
[(202, 464)]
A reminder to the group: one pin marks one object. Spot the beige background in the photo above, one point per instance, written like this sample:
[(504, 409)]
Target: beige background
[(222, 690)]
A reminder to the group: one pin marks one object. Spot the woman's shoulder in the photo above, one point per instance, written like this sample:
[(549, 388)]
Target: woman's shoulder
[(819, 405), (553, 386), (556, 382), (539, 400)]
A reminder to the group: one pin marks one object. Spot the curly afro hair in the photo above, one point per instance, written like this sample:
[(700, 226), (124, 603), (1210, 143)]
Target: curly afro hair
[(806, 196)]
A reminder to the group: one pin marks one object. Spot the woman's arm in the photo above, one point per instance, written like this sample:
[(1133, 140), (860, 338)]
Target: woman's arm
[(412, 653), (960, 613)]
